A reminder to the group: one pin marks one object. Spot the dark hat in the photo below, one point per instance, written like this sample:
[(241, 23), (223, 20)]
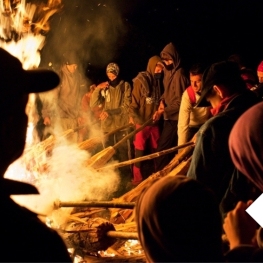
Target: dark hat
[(225, 73), (15, 81)]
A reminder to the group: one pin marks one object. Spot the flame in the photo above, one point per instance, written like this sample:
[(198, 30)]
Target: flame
[(22, 28)]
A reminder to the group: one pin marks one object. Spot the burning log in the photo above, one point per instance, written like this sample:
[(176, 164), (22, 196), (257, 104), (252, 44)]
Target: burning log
[(147, 157), (111, 204), (100, 159), (93, 235)]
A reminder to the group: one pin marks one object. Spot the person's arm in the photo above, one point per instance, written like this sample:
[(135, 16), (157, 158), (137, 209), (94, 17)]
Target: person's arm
[(135, 103), (96, 98), (175, 95), (184, 119)]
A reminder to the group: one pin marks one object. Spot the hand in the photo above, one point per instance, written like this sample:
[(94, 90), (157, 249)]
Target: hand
[(194, 138), (157, 115), (47, 121), (131, 120), (104, 115), (103, 85), (161, 106), (239, 226)]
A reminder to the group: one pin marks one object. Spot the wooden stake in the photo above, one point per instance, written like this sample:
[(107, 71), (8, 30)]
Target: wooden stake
[(146, 157)]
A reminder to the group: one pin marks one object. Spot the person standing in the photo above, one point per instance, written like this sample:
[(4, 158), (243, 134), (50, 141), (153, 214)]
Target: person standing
[(146, 94), (63, 111), (191, 118), (115, 95), (175, 82)]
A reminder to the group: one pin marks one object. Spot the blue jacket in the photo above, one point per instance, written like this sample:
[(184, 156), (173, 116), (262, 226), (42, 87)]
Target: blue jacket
[(211, 162)]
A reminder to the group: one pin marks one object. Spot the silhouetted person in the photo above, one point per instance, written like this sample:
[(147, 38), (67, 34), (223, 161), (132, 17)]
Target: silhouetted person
[(178, 220), (24, 238)]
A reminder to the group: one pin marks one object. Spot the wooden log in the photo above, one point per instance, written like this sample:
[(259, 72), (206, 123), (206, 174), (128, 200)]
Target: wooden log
[(132, 195), (112, 204), (90, 236), (146, 157)]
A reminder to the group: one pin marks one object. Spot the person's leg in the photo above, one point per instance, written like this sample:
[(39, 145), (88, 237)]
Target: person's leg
[(154, 138), (139, 144), (167, 140)]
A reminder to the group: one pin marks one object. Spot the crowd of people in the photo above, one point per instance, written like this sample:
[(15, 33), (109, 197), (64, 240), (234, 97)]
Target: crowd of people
[(179, 218)]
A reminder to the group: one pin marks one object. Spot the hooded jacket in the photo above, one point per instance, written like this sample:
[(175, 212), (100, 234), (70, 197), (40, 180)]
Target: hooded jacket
[(116, 103), (175, 82), (146, 93)]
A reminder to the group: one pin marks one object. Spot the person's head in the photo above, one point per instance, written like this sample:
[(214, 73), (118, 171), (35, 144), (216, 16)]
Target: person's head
[(72, 67), (246, 144), (178, 219), (196, 73), (219, 81), (170, 57), (16, 83), (112, 71), (260, 72), (155, 66)]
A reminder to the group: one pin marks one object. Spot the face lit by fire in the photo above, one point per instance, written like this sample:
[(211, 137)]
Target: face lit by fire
[(158, 68), (111, 76), (196, 81), (72, 68)]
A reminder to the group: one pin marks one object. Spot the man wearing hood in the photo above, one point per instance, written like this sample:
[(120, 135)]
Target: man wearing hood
[(65, 106), (146, 94), (175, 82)]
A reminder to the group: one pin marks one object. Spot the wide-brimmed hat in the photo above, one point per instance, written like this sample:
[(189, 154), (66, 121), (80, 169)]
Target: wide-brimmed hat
[(225, 73), (15, 81)]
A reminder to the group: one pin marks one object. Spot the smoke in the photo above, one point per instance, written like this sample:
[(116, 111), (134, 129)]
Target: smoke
[(67, 179), (92, 29)]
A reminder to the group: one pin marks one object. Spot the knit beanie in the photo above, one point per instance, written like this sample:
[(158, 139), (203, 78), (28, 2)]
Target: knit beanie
[(260, 67), (113, 68)]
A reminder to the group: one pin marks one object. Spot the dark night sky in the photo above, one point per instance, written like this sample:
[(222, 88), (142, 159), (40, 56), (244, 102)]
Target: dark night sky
[(129, 32)]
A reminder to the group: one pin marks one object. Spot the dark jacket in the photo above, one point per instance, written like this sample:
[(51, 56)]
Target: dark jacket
[(211, 162), (145, 94), (175, 82)]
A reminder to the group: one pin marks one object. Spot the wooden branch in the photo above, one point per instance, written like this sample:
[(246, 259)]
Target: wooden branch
[(111, 204), (146, 157)]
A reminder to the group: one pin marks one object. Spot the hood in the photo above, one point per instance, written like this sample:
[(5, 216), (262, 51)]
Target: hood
[(152, 64), (171, 51)]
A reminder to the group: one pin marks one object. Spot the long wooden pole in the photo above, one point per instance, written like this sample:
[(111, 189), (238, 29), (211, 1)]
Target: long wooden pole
[(127, 205), (146, 157), (101, 158), (111, 233)]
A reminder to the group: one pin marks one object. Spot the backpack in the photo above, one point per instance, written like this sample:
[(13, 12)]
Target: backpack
[(191, 95)]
